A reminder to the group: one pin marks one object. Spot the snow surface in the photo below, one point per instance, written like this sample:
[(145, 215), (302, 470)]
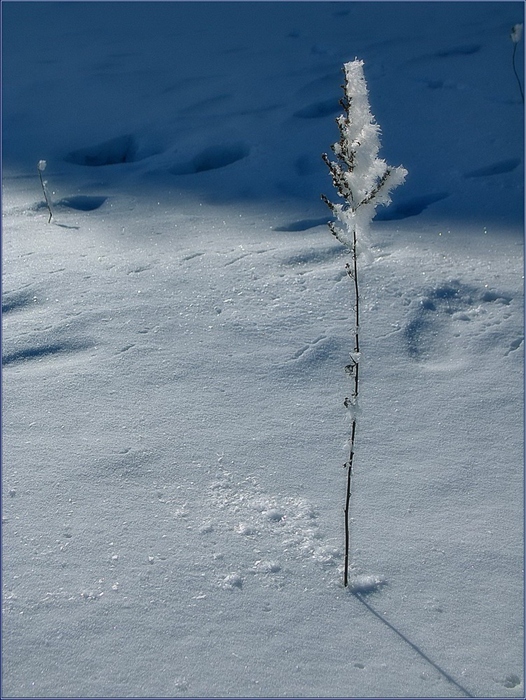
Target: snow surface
[(174, 344)]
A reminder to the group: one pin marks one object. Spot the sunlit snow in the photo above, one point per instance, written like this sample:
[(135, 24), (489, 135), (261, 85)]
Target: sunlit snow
[(174, 345)]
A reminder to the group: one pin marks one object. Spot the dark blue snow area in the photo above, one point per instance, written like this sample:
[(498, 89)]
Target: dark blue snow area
[(212, 158), (82, 202), (122, 149), (241, 109), (409, 207)]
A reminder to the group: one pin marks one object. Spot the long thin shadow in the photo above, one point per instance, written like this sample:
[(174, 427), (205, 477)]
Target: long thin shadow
[(413, 646), (65, 226)]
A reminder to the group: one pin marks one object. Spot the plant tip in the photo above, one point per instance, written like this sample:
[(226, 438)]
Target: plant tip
[(516, 33)]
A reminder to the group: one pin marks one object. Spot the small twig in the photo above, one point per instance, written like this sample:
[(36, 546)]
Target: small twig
[(515, 71), (346, 511), (352, 271), (374, 192), (41, 167), (515, 36)]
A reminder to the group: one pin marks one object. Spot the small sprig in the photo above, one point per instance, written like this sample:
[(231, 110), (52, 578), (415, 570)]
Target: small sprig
[(363, 181), (516, 33), (515, 36), (41, 166)]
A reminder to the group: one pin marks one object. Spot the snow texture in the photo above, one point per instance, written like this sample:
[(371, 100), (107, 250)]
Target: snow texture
[(175, 343)]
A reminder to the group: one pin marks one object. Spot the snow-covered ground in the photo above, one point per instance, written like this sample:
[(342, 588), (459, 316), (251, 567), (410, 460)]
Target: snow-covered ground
[(174, 343)]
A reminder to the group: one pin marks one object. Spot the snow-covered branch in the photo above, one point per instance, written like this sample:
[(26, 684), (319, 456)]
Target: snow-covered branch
[(360, 178)]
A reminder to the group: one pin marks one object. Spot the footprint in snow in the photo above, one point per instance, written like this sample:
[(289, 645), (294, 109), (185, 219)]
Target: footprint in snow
[(283, 530), (436, 316), (404, 209), (17, 300), (212, 158), (302, 225), (498, 168), (116, 151), (45, 351), (511, 681)]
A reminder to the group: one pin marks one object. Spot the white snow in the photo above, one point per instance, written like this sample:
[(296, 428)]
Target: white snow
[(174, 345)]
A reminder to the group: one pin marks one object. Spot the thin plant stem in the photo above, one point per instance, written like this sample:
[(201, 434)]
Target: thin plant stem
[(356, 307), (353, 274), (362, 187), (515, 71), (46, 196), (347, 508)]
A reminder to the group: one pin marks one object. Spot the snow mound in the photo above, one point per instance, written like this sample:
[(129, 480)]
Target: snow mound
[(366, 583)]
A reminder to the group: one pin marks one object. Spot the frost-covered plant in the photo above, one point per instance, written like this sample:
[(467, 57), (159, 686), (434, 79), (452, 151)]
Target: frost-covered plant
[(41, 166), (363, 181), (515, 36)]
